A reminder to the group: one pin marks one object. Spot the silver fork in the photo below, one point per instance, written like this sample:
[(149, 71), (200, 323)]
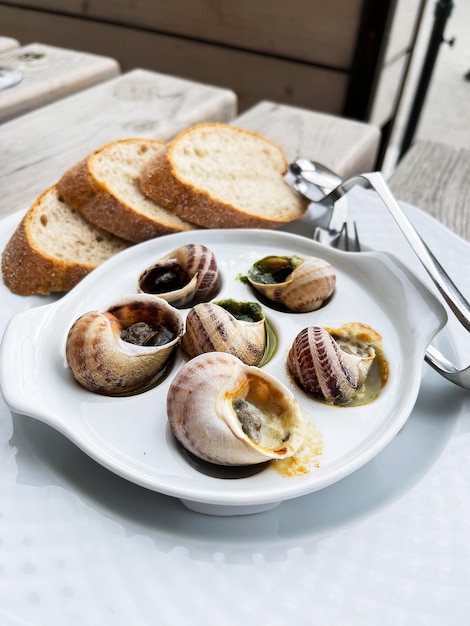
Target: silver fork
[(350, 244)]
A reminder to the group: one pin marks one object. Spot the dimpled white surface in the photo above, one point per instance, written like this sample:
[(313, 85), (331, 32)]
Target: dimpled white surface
[(388, 545)]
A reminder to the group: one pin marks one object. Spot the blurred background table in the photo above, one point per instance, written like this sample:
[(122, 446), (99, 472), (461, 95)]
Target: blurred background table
[(48, 74)]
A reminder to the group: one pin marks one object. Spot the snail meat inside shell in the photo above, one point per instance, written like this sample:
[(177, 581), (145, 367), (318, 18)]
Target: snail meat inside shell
[(122, 349), (229, 413), (226, 326), (145, 334), (333, 366), (301, 284), (187, 275)]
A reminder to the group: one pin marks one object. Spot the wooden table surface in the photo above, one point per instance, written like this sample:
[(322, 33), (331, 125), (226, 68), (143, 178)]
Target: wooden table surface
[(48, 74), (435, 177)]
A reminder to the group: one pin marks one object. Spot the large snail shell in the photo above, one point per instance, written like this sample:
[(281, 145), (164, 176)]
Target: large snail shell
[(331, 368), (300, 283), (229, 413), (103, 362), (187, 275), (211, 327)]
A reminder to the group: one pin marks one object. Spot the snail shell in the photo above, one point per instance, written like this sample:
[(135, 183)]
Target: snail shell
[(332, 367), (230, 413), (301, 284), (212, 327), (187, 275), (123, 348)]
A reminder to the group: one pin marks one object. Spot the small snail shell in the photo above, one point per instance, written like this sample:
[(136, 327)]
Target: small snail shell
[(332, 367), (212, 327), (103, 361), (229, 413), (301, 284), (187, 275)]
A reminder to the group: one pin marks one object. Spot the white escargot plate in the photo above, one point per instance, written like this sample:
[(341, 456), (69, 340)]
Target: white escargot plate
[(131, 436)]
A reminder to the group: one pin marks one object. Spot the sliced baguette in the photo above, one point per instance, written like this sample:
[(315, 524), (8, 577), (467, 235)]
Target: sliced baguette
[(53, 248), (104, 188), (220, 176)]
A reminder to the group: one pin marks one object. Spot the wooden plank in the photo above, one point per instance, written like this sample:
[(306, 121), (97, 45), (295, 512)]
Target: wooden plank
[(50, 73), (345, 146), (253, 77), (315, 31), (434, 177), (39, 146)]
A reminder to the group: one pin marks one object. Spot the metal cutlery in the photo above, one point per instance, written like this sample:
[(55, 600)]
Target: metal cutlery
[(312, 179), (333, 199), (315, 181)]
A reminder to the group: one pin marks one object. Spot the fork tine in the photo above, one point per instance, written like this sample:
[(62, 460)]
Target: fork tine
[(355, 246), (345, 236)]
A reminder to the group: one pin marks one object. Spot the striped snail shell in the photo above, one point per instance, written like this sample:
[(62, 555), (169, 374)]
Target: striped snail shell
[(301, 284), (185, 276), (228, 326), (123, 348), (331, 367), (230, 413)]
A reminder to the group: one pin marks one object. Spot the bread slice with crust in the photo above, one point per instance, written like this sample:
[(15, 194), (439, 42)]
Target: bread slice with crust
[(54, 247), (220, 176), (104, 188)]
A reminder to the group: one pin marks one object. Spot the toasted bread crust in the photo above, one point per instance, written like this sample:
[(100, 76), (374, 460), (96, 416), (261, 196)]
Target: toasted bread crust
[(75, 187), (27, 271), (161, 181), (102, 207)]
